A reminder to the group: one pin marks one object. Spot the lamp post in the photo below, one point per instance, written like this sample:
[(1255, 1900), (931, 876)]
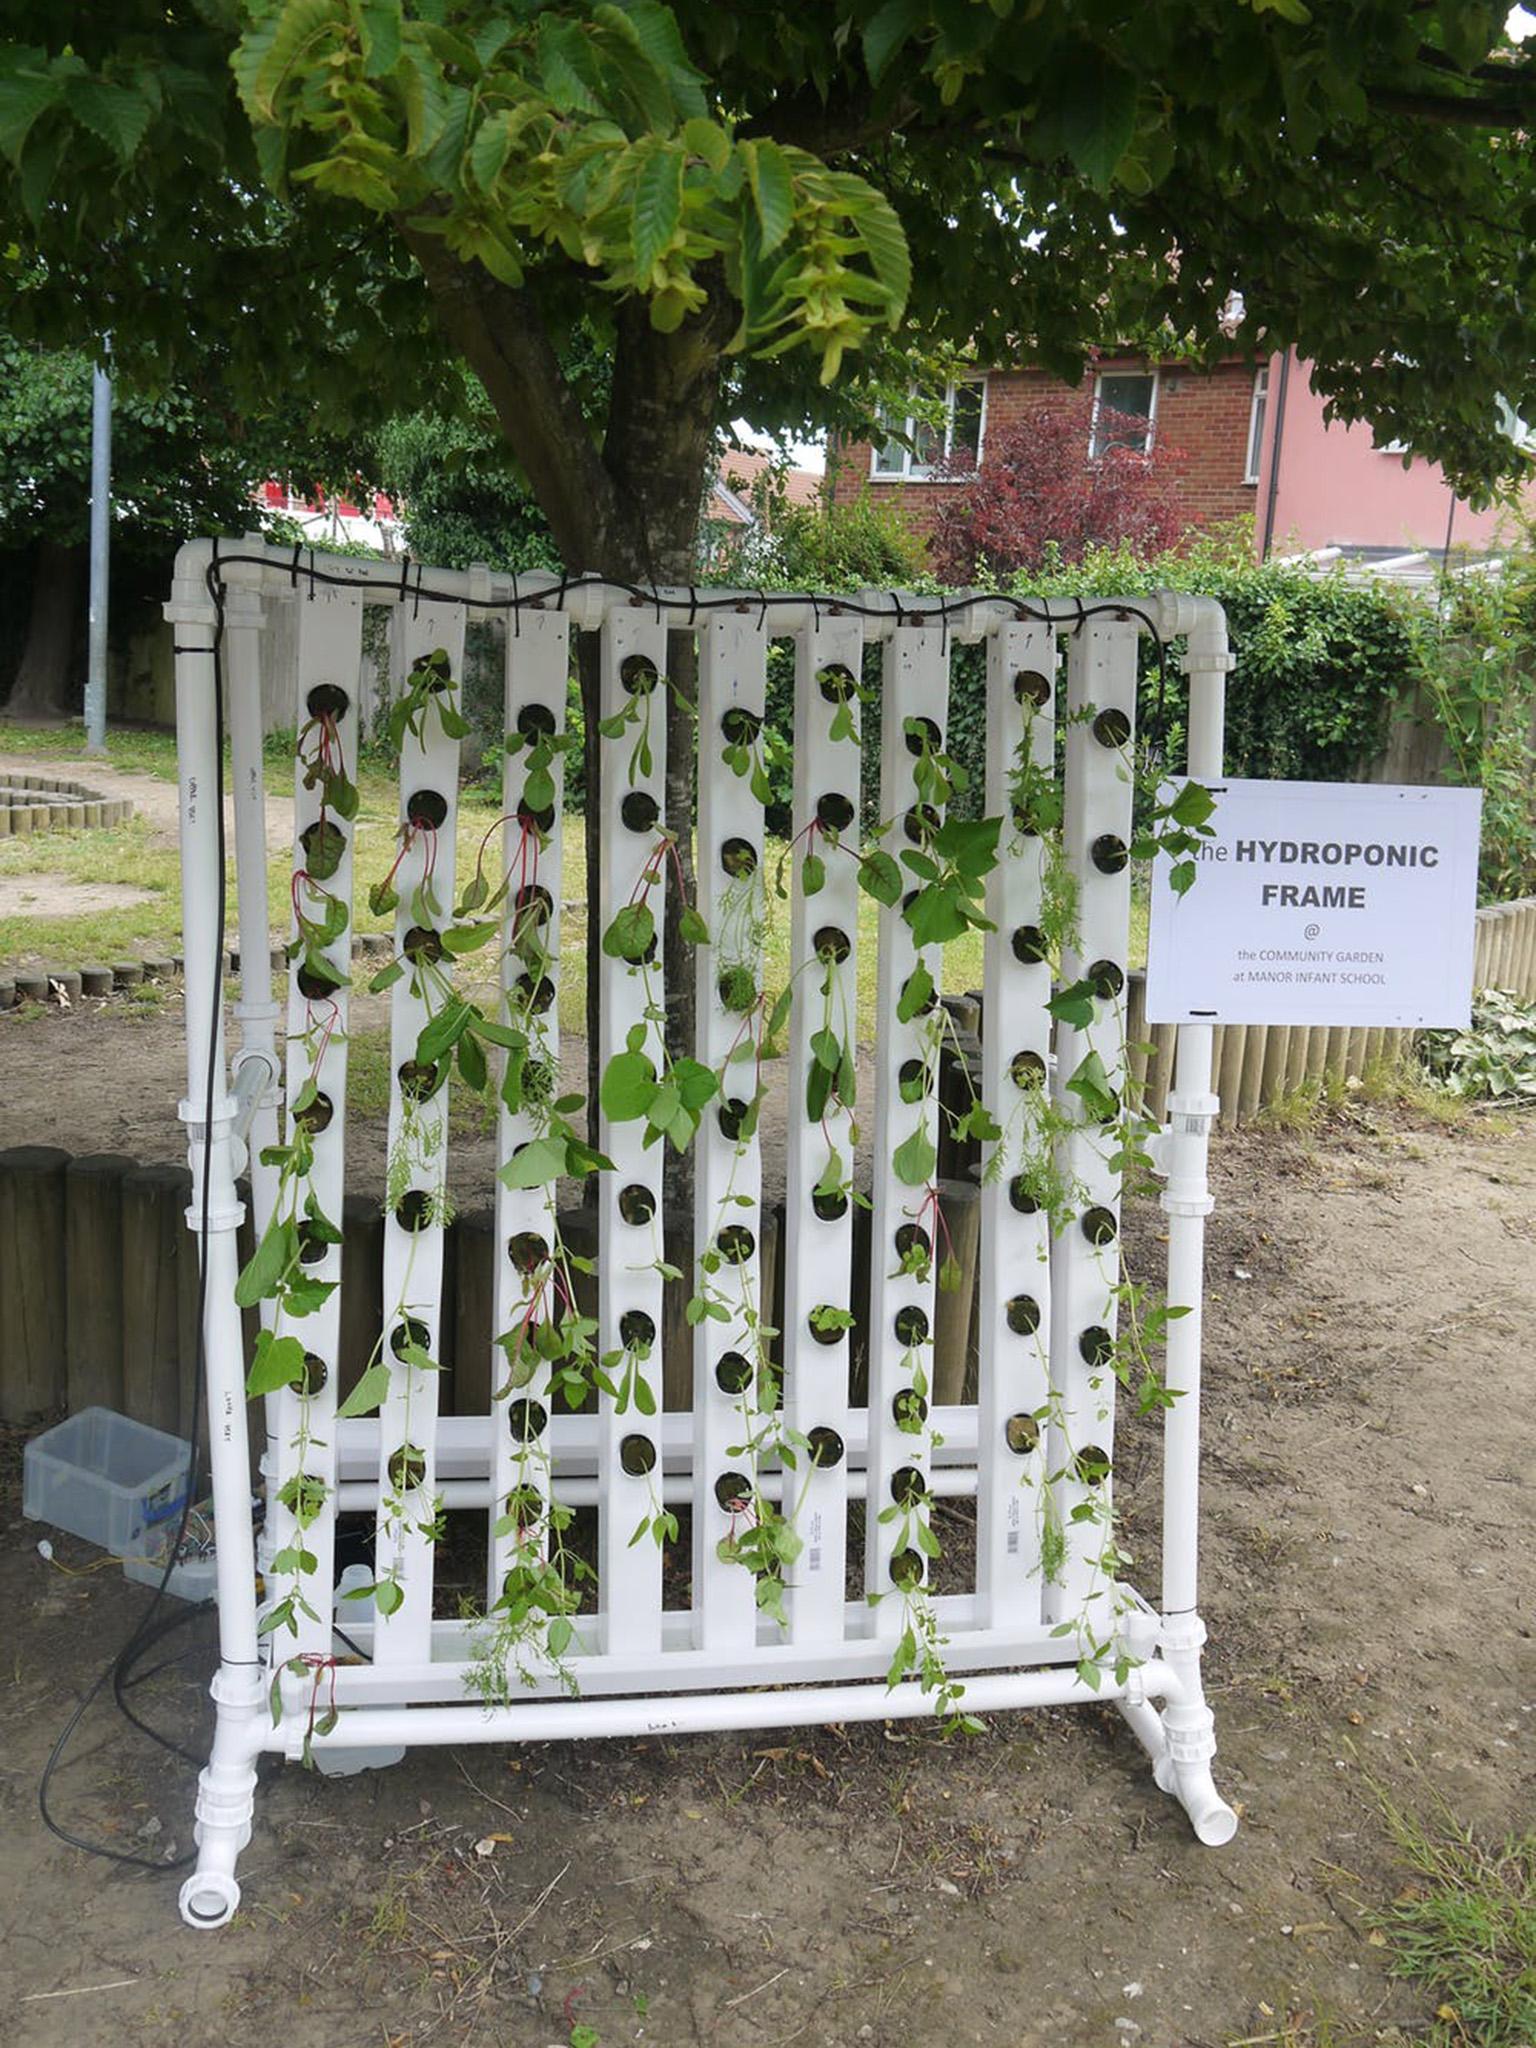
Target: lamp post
[(101, 515)]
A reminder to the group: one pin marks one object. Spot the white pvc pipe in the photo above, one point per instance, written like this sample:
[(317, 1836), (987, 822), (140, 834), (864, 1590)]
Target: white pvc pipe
[(673, 1714)]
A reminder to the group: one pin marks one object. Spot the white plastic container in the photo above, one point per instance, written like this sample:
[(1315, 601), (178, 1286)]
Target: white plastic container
[(106, 1478)]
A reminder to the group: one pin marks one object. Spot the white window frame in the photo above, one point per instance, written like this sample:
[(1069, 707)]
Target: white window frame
[(915, 472), (1258, 419), (1094, 450)]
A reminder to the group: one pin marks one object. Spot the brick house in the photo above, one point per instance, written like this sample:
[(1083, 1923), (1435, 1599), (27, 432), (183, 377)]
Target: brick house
[(1253, 440)]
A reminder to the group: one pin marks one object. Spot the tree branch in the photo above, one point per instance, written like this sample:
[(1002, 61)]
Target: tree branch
[(500, 333)]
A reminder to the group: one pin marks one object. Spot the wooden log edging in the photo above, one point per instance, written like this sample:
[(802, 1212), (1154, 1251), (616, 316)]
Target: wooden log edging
[(97, 979), (46, 803)]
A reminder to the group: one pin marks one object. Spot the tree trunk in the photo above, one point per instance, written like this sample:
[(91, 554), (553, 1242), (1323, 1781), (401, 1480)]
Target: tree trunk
[(43, 689)]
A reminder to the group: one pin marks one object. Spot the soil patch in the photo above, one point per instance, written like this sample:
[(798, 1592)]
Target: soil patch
[(49, 895), (1370, 1532)]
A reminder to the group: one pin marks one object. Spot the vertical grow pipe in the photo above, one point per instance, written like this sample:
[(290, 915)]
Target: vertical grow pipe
[(227, 1784), (1185, 1769)]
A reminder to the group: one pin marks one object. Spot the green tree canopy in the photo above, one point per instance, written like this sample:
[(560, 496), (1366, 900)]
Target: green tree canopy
[(340, 197)]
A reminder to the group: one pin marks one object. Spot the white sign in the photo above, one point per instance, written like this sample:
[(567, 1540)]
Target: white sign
[(1321, 903)]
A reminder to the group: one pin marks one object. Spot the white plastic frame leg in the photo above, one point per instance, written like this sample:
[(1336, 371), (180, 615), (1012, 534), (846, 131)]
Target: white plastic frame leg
[(226, 1799), (1180, 1740)]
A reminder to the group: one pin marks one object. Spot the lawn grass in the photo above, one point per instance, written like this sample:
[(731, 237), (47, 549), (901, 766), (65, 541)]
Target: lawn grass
[(129, 854)]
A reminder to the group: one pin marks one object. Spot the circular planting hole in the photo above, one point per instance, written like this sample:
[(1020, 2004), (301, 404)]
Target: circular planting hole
[(737, 990), (911, 1324), (640, 811), (1029, 945), (1099, 1226), (527, 1250), (409, 1334), (832, 944), (637, 672), (739, 727), (911, 1237), (731, 1116), (912, 1080), (422, 943), (925, 1007), (1027, 1069), (534, 904), (908, 1409), (1024, 821), (324, 843), (436, 667), (315, 1374), (1021, 1433), (314, 988), (407, 1468), (1031, 687), (920, 823), (826, 1447), (1022, 1196), (316, 1115), (1112, 728), (1022, 1312), (414, 1209), (420, 1078), (526, 1420), (1106, 979), (327, 700), (908, 1486), (1091, 1465), (1095, 1345), (921, 733), (637, 1203), (733, 1492), (825, 1333), (907, 1570), (427, 807), (1108, 853), (737, 1244), (739, 858), (834, 813), (637, 1455), (829, 1204), (836, 683), (535, 722), (525, 1505), (637, 1332), (312, 1246), (733, 1373), (536, 996), (531, 820)]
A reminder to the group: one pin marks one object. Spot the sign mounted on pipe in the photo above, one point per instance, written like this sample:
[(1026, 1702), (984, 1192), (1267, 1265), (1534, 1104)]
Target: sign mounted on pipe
[(1321, 903)]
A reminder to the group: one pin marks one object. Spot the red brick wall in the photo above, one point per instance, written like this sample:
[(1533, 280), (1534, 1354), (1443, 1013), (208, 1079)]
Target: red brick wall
[(1202, 413)]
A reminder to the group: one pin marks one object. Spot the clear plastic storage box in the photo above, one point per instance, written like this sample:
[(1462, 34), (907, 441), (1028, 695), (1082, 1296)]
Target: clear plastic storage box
[(108, 1479)]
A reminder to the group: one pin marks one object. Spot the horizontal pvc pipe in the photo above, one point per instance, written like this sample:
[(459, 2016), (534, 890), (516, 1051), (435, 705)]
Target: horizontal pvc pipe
[(361, 1496), (559, 1720)]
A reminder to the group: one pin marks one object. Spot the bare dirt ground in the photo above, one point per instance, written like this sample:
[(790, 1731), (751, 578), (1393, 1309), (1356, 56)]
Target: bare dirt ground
[(153, 798), (1370, 1535)]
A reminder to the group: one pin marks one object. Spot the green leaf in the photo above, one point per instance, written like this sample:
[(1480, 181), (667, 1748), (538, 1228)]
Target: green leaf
[(916, 994), (658, 206), (472, 1063), (1193, 805), (442, 1032), (887, 29), (628, 1087), (1074, 1005), (1097, 113), (691, 927), (880, 877), (24, 98), (914, 1159), (115, 113), (813, 874), (1091, 1085), (378, 24), (631, 935), (389, 1596), (278, 1250), (540, 1161), (276, 1362), (368, 1394), (773, 192)]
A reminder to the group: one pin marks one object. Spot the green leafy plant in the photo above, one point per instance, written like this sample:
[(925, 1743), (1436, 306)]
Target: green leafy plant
[(1495, 1057)]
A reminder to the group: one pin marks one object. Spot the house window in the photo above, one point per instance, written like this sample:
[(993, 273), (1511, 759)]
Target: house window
[(914, 448), (1256, 414), (1124, 411)]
